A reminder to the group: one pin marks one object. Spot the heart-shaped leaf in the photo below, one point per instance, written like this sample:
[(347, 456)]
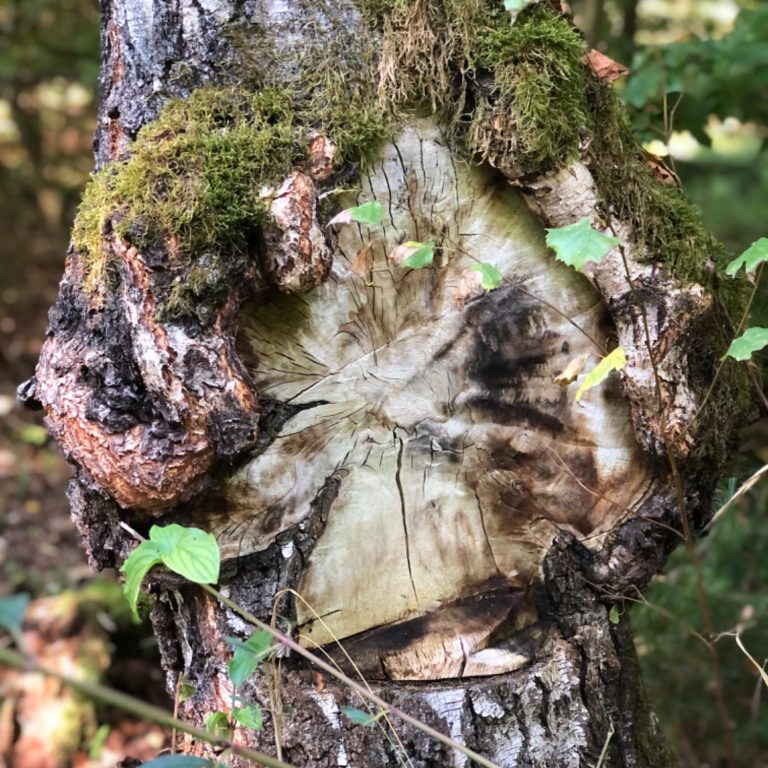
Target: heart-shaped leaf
[(190, 552), (491, 277)]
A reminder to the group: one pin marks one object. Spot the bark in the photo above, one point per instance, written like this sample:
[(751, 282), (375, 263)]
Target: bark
[(391, 444)]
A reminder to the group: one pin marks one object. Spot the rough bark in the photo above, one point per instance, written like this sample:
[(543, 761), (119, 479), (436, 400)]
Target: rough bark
[(391, 444)]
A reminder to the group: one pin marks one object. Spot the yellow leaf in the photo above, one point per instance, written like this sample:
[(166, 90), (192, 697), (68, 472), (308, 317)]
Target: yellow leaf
[(613, 362)]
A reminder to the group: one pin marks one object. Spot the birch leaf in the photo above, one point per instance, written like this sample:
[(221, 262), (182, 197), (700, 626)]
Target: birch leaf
[(615, 361), (579, 243), (371, 212), (752, 340), (413, 254), (756, 254), (490, 276)]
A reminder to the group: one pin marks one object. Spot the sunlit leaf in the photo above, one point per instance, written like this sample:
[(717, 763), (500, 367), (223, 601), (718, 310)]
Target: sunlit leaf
[(413, 254), (491, 277), (358, 717), (572, 370), (751, 259), (371, 212), (751, 341), (613, 615), (615, 361), (190, 552), (135, 568), (250, 716), (578, 244)]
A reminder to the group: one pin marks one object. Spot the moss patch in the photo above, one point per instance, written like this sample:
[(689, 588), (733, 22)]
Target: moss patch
[(190, 183), (668, 226), (533, 117), (518, 96)]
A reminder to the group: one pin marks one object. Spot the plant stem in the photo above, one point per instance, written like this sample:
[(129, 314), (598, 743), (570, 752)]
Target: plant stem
[(360, 690), (136, 707)]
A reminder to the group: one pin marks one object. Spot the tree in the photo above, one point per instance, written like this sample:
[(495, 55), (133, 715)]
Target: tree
[(373, 408)]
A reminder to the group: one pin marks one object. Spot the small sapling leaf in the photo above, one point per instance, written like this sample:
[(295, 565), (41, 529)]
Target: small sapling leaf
[(751, 259), (218, 723), (370, 213), (248, 655), (413, 254), (358, 717), (578, 244), (615, 361), (490, 276), (12, 610), (250, 716), (135, 568), (190, 552), (613, 615), (178, 761), (751, 341)]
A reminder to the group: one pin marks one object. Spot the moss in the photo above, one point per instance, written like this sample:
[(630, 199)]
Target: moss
[(669, 227), (190, 181), (536, 113), (518, 96)]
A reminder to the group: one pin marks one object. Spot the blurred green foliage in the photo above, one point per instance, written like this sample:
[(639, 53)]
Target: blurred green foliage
[(726, 77)]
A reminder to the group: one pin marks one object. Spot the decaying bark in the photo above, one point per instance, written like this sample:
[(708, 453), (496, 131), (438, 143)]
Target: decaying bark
[(391, 444)]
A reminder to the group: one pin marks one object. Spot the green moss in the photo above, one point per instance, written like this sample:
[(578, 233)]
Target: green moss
[(533, 118), (518, 96), (193, 179), (669, 227)]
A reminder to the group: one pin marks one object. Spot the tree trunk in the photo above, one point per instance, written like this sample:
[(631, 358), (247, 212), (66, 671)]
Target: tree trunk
[(397, 446)]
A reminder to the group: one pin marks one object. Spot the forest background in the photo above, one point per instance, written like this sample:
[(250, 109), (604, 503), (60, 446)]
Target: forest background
[(698, 95)]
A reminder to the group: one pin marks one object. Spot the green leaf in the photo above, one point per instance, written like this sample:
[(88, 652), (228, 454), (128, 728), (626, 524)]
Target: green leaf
[(358, 717), (186, 689), (248, 655), (218, 723), (752, 340), (615, 361), (491, 277), (420, 255), (613, 615), (756, 254), (371, 212), (368, 213), (12, 610), (579, 243), (190, 552), (135, 568), (250, 716), (178, 761)]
